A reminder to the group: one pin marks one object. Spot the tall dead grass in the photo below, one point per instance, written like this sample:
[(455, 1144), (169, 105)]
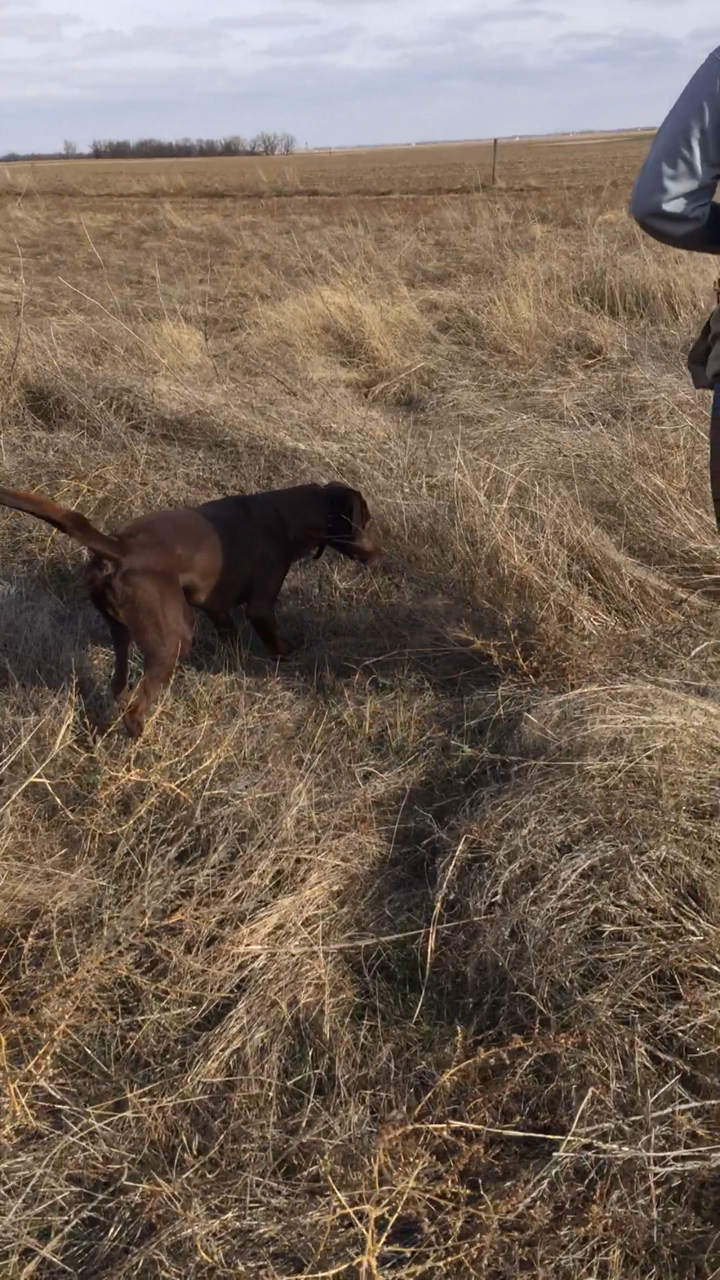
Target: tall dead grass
[(403, 958)]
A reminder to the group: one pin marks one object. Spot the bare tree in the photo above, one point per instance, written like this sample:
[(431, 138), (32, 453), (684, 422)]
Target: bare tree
[(264, 144), (268, 143), (69, 149), (235, 145)]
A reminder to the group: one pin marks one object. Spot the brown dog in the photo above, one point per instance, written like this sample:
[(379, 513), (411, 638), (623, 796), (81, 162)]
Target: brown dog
[(144, 578)]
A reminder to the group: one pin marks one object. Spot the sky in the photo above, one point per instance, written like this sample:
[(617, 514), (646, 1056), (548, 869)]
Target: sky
[(341, 72)]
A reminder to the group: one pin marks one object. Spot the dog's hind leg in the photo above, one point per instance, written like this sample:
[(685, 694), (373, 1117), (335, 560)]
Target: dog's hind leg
[(121, 644), (119, 634), (161, 624)]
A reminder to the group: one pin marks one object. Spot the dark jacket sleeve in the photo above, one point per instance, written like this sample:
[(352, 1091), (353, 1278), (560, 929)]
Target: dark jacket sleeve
[(673, 196)]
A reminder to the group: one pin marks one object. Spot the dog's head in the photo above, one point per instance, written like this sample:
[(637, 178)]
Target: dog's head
[(349, 528)]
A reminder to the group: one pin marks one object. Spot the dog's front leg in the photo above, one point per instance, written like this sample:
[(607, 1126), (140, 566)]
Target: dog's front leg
[(261, 616), (222, 622)]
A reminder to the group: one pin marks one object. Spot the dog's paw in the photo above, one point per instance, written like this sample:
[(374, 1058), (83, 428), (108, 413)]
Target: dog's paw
[(134, 724)]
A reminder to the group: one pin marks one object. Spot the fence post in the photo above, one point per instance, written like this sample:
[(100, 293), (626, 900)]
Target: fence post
[(495, 156)]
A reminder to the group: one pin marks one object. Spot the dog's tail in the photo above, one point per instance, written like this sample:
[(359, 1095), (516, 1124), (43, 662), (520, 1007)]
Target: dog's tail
[(72, 523)]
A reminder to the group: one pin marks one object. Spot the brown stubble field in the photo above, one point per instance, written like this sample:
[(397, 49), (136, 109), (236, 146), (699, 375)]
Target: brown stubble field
[(401, 958), (453, 168)]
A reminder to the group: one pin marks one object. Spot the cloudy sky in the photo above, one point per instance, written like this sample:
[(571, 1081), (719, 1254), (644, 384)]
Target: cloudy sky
[(341, 71)]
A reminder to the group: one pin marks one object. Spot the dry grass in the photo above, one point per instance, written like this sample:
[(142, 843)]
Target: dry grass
[(429, 170), (403, 958)]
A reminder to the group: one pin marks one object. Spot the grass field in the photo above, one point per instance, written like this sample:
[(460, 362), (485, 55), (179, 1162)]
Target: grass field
[(402, 957), (453, 168)]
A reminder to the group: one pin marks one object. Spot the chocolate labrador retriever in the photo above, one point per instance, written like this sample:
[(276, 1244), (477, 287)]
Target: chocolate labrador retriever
[(145, 578)]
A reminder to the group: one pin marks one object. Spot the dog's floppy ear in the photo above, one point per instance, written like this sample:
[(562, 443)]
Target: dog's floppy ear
[(357, 511), (347, 511)]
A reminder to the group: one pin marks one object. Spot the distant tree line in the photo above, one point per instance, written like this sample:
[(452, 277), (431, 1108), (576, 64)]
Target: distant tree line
[(265, 144), (11, 156)]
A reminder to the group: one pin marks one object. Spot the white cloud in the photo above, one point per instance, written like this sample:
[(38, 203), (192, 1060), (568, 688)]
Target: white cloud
[(35, 27), (315, 46), (336, 71)]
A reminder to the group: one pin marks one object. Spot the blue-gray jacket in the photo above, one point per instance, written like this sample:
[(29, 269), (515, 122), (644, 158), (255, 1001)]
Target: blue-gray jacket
[(673, 196)]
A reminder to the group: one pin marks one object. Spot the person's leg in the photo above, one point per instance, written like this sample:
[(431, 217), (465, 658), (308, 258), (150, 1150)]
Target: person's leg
[(715, 452)]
